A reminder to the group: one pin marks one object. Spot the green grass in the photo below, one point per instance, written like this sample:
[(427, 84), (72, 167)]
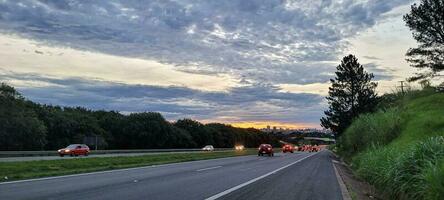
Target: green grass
[(400, 149), (45, 168), (353, 195), (434, 175)]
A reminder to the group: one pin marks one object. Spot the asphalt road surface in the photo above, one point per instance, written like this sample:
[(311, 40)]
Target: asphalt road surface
[(284, 176)]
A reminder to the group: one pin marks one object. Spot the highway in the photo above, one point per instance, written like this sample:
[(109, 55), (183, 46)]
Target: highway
[(34, 158), (284, 176)]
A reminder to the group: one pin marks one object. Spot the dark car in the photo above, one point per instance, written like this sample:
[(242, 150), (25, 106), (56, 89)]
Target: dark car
[(440, 88), (288, 148), (74, 150), (265, 149)]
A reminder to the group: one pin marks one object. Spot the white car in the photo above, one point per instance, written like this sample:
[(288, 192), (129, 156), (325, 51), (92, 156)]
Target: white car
[(239, 147), (208, 148)]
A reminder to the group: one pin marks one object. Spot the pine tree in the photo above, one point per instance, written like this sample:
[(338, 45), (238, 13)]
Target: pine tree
[(426, 21), (352, 93)]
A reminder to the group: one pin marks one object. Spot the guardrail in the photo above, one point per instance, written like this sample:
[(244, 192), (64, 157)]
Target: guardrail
[(54, 152)]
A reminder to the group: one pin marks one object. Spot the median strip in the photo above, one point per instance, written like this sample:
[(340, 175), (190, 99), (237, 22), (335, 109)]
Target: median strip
[(11, 171)]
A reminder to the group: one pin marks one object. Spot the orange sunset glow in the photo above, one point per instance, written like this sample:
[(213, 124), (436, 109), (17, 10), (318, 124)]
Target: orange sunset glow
[(260, 125)]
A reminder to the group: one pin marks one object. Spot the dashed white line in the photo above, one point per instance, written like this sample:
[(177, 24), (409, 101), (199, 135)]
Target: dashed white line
[(216, 196), (209, 168)]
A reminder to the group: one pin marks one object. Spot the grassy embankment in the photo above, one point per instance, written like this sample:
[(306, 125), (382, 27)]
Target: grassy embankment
[(44, 168), (400, 149)]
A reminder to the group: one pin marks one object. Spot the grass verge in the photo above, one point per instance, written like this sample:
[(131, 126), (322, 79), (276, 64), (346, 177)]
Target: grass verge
[(10, 171), (400, 149)]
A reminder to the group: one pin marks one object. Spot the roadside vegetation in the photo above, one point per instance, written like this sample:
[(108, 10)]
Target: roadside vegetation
[(398, 145), (10, 171), (400, 148)]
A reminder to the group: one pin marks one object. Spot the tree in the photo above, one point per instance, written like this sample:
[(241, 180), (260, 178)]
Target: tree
[(147, 130), (20, 129), (200, 133), (352, 93), (426, 21)]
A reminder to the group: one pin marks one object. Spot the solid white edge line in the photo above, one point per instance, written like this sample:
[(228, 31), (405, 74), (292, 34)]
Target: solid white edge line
[(115, 170), (216, 196), (204, 169), (342, 186)]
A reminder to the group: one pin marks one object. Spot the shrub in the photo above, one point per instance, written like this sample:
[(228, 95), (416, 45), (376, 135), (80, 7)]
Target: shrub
[(408, 170), (373, 165), (407, 173), (434, 175), (371, 130)]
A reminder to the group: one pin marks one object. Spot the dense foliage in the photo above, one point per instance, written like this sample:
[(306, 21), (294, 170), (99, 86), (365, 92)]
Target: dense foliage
[(351, 93), (400, 148), (25, 125), (426, 20), (18, 122)]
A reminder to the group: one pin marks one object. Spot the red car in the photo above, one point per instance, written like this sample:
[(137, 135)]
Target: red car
[(288, 148), (306, 148), (315, 148), (265, 149), (74, 150)]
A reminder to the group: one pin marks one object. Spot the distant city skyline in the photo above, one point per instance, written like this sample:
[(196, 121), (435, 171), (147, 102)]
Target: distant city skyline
[(244, 63)]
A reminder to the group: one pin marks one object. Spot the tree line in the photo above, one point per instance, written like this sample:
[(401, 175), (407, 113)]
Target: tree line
[(25, 125)]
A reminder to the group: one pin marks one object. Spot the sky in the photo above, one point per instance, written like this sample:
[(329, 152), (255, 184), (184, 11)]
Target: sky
[(249, 63)]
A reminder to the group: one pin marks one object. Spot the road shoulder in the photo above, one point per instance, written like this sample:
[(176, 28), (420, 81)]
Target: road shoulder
[(356, 189), (344, 190)]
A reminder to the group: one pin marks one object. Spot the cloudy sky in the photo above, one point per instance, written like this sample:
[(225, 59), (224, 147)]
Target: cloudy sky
[(244, 62)]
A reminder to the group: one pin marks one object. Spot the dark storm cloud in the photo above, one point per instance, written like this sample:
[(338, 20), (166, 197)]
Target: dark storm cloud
[(379, 72), (371, 57), (243, 38), (262, 43)]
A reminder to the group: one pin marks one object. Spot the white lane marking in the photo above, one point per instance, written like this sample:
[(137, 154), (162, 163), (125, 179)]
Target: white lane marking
[(119, 170), (209, 168), (216, 196)]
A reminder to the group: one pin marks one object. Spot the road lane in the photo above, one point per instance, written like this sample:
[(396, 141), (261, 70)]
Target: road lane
[(172, 181), (312, 179)]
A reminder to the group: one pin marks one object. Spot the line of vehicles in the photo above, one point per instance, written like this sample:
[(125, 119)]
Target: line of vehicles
[(267, 149), (264, 149)]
